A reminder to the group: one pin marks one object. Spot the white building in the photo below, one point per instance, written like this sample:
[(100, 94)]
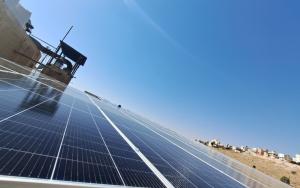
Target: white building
[(281, 156), (284, 157), (296, 159)]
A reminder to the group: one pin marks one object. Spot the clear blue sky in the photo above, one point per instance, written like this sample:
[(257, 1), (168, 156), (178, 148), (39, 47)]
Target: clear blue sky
[(206, 68)]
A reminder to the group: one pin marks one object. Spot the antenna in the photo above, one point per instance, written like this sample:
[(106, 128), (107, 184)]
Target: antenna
[(58, 47)]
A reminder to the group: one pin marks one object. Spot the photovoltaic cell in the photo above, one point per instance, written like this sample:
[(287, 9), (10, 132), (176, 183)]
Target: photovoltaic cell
[(49, 131), (83, 153), (133, 170)]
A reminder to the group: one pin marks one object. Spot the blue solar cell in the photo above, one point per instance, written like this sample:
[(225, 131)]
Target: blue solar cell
[(132, 169), (20, 163), (82, 146)]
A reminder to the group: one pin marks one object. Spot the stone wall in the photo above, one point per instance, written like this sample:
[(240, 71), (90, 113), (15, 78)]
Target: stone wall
[(13, 38)]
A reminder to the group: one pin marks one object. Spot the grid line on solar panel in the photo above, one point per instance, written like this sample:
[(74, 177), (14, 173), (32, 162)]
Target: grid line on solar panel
[(62, 139), (88, 163), (25, 110), (32, 89), (145, 178), (79, 154), (21, 143), (27, 152), (10, 104), (31, 167), (53, 125), (136, 130), (55, 121), (34, 92), (81, 143), (99, 131), (20, 163), (4, 133), (79, 134), (30, 116), (25, 125), (62, 103), (16, 80), (164, 160), (23, 80), (28, 143), (84, 145), (41, 117), (90, 173)]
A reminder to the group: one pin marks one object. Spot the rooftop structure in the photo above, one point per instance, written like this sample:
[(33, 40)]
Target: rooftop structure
[(20, 46), (63, 63)]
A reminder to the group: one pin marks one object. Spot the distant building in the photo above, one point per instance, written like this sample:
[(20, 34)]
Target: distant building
[(273, 154), (281, 156), (260, 151), (296, 159), (214, 143)]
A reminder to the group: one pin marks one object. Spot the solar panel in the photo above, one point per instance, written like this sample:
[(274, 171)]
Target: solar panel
[(56, 135)]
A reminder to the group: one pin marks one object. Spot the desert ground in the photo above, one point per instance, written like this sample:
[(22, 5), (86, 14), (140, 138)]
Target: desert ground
[(272, 167)]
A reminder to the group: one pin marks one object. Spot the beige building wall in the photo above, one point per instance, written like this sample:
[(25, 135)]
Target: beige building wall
[(13, 38)]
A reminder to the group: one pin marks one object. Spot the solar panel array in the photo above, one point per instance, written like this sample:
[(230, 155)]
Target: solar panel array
[(60, 134)]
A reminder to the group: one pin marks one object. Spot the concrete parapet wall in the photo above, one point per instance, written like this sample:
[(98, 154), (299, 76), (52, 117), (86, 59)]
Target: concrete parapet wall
[(13, 38)]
